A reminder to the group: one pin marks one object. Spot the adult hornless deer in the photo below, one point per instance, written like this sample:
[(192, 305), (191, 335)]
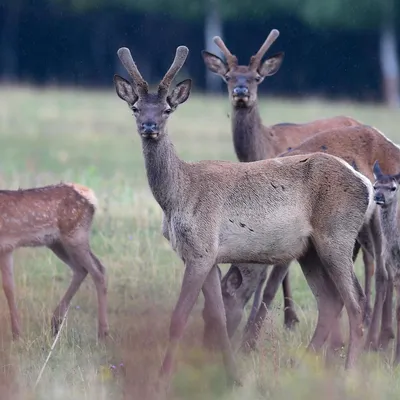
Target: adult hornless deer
[(255, 141)]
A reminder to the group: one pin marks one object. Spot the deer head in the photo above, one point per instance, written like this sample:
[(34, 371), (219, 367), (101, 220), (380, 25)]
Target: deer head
[(243, 80), (152, 110), (385, 186)]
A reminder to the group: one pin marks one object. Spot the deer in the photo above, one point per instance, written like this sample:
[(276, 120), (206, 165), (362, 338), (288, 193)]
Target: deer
[(58, 217), (359, 146), (263, 212), (254, 141), (386, 191)]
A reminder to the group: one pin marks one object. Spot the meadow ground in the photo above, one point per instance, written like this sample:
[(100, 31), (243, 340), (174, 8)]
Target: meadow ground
[(89, 137)]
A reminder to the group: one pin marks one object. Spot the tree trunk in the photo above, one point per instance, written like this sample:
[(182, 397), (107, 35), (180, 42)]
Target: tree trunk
[(212, 27), (388, 57), (9, 38)]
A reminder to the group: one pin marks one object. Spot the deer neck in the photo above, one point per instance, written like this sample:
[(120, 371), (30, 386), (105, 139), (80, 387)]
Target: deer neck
[(247, 130), (389, 220), (164, 171)]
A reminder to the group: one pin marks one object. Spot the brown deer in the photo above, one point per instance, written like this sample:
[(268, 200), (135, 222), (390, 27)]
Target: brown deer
[(254, 141), (58, 217), (309, 208), (359, 146), (386, 191)]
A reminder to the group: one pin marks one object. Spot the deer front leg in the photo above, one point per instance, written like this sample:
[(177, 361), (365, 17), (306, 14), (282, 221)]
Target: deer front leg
[(290, 317), (396, 360), (387, 332), (196, 272), (381, 284), (7, 275), (369, 268), (275, 279)]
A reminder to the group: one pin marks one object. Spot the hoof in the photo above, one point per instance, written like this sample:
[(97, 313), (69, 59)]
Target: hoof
[(386, 336), (290, 320)]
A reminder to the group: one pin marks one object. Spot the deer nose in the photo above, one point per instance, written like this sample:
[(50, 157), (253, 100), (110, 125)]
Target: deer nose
[(241, 91), (379, 199), (149, 127)]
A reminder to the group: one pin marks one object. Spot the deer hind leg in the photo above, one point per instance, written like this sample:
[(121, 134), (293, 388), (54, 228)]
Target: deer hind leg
[(80, 255), (78, 276), (7, 275), (387, 332), (335, 254), (290, 316), (329, 302), (381, 284), (275, 279), (257, 300)]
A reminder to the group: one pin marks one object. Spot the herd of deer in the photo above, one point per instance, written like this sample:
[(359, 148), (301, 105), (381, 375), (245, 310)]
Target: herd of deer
[(302, 192)]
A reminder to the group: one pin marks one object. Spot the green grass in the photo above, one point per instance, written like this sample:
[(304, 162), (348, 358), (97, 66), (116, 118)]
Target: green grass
[(90, 137)]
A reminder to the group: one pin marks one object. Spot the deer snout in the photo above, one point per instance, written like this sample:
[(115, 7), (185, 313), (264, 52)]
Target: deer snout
[(379, 199), (241, 91), (149, 129)]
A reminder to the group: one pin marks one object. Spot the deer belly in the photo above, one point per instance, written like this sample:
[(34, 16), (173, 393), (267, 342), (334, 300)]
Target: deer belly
[(270, 242), (37, 237)]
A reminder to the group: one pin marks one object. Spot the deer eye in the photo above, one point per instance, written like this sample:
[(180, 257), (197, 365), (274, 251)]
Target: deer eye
[(392, 189), (168, 111), (227, 78), (258, 78), (134, 109)]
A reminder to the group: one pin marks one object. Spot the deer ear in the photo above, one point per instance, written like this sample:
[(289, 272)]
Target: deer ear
[(125, 90), (272, 65), (181, 93), (232, 281), (214, 63), (377, 170), (397, 178)]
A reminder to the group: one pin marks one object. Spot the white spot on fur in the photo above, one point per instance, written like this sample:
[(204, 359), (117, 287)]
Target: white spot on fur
[(85, 192), (368, 184)]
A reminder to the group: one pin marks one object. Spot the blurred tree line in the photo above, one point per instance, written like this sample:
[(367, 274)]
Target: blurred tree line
[(335, 48)]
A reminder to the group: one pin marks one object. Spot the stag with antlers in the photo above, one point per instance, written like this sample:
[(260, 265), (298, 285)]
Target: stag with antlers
[(206, 222)]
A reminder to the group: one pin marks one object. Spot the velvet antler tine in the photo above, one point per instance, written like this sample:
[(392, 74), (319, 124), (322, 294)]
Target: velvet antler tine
[(256, 59), (127, 61), (180, 58), (230, 58)]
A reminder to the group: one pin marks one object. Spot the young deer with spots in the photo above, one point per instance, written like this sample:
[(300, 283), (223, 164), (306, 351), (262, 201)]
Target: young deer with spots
[(254, 141), (58, 217), (386, 192), (359, 146), (264, 212)]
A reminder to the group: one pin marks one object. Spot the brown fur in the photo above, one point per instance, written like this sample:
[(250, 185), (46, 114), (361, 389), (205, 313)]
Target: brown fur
[(58, 217), (265, 212), (386, 192), (361, 146), (255, 141)]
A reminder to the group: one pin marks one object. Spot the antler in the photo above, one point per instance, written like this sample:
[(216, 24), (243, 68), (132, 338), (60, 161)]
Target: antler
[(230, 58), (180, 58), (256, 59), (127, 61)]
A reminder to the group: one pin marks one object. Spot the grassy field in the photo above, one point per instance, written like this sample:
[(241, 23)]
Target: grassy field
[(90, 138)]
